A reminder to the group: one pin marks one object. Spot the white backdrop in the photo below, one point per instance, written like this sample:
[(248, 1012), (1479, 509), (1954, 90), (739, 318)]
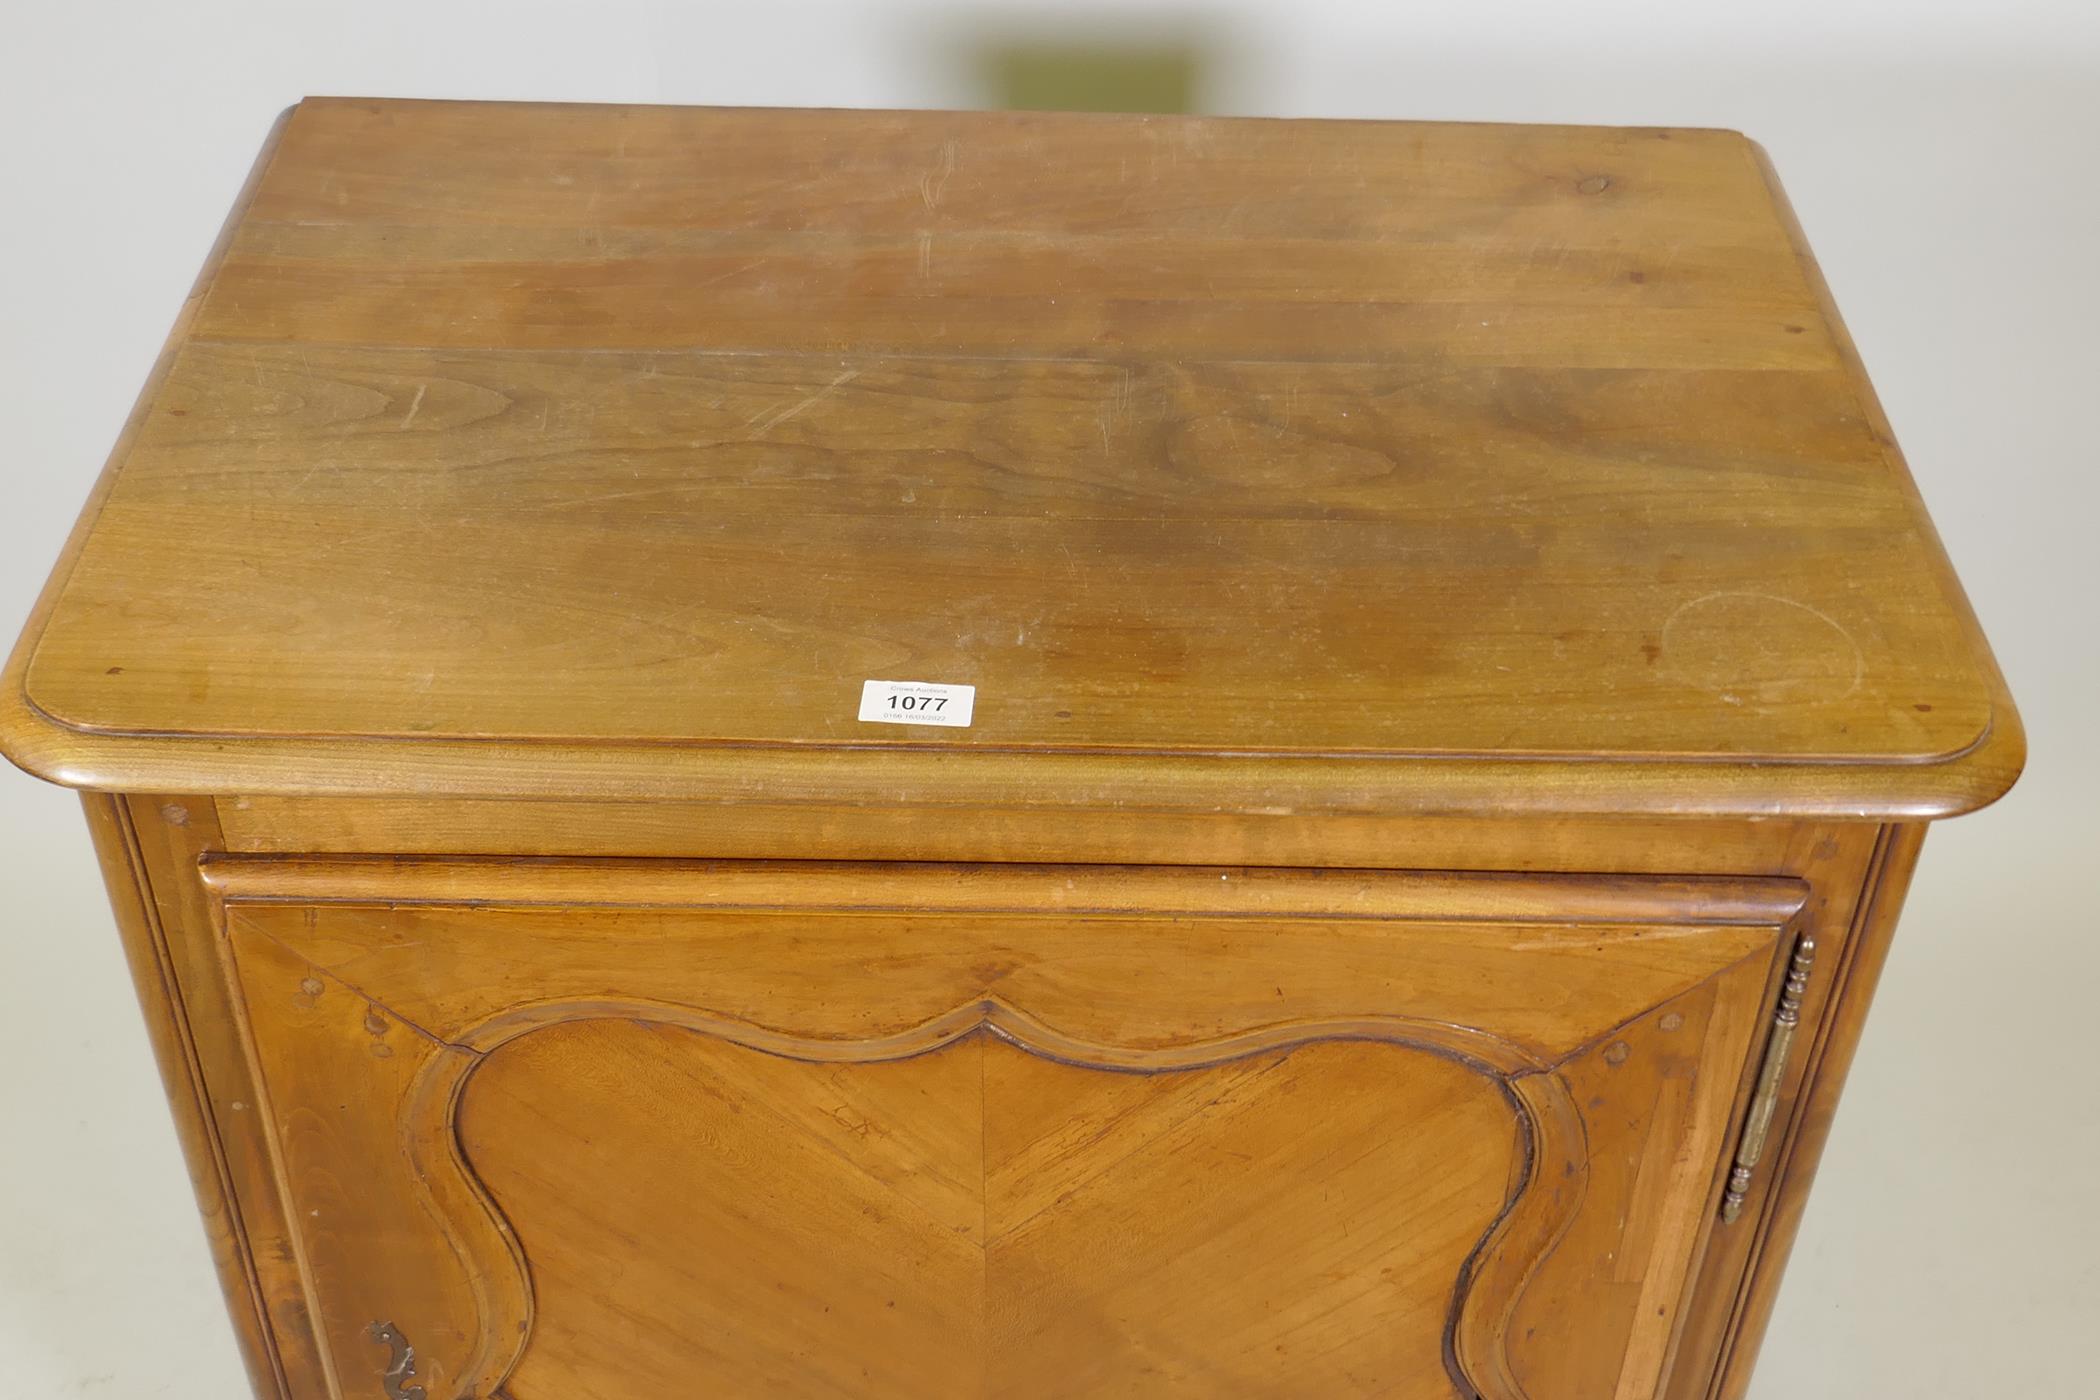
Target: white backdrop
[(1942, 156)]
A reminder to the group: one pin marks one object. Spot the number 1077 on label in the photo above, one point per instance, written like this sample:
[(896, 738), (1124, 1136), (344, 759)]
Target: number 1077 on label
[(917, 702)]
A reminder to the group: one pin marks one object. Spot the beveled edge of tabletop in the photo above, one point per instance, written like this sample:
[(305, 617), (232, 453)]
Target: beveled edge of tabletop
[(1425, 784)]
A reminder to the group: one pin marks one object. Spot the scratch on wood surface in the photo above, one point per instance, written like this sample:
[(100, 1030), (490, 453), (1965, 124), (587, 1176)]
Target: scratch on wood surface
[(415, 405), (934, 183), (736, 271), (765, 423)]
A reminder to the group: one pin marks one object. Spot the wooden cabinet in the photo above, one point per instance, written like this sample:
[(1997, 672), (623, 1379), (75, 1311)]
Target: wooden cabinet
[(1458, 678)]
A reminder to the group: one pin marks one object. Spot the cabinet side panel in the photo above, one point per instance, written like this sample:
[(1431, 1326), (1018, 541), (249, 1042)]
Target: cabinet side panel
[(1839, 862), (1829, 1063), (167, 1024), (167, 836)]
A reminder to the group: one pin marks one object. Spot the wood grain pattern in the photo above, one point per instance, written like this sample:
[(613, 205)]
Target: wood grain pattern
[(1009, 1225), (1376, 392), (1039, 562), (1627, 1272), (586, 1131), (387, 1228), (914, 888), (169, 835), (172, 1028), (782, 831), (474, 975)]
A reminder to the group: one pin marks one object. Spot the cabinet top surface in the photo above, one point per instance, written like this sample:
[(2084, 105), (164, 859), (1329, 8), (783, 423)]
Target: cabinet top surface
[(591, 441)]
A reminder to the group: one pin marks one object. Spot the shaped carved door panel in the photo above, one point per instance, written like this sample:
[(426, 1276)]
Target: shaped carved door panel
[(980, 1221), (604, 1131)]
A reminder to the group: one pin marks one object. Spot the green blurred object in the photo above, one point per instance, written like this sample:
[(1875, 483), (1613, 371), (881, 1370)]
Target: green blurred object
[(1098, 77)]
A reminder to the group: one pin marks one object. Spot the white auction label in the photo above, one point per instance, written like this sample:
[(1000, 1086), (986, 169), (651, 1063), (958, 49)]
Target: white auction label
[(916, 702)]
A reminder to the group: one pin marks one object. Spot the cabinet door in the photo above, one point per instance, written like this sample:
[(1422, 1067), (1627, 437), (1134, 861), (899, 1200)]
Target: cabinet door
[(635, 1130)]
